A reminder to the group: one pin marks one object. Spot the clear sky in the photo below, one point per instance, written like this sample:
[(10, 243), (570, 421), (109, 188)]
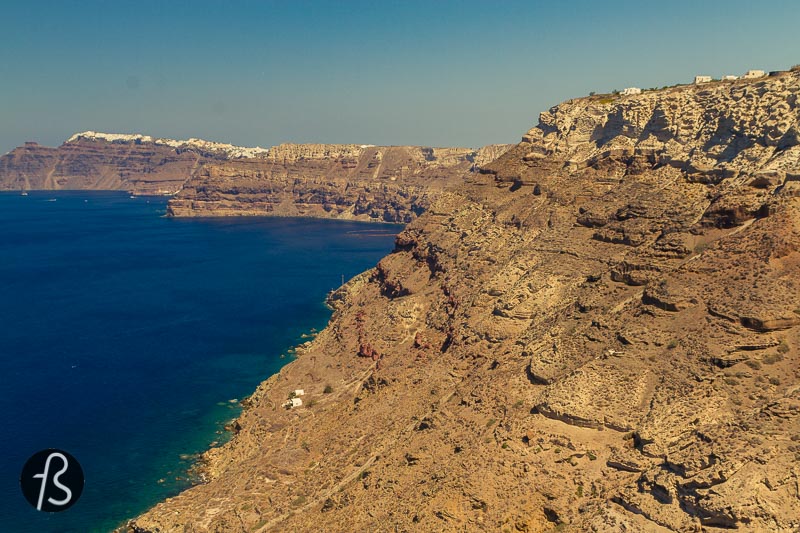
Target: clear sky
[(433, 73)]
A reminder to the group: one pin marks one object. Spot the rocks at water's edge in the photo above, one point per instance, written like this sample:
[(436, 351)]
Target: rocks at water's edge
[(598, 331)]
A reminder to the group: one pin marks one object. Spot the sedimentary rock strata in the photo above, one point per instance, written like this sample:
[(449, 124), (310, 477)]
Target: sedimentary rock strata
[(348, 181), (599, 331), (96, 163), (357, 182)]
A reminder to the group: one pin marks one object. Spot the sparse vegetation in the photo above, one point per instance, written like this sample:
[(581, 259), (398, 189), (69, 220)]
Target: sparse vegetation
[(327, 390), (591, 456), (671, 345), (579, 491), (772, 358), (297, 502), (774, 381), (606, 100), (490, 422), (783, 347), (752, 363)]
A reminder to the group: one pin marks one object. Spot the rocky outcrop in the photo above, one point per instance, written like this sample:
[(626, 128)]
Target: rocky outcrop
[(598, 331), (710, 131), (103, 162), (356, 182), (349, 181)]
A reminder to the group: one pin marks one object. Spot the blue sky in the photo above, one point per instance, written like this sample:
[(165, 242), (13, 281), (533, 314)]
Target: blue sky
[(434, 73)]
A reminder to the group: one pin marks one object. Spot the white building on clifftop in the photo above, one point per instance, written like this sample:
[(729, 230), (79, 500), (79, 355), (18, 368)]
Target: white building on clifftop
[(701, 79), (631, 90), (754, 74)]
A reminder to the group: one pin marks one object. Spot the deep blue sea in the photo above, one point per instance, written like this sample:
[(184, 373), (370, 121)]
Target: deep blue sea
[(126, 338)]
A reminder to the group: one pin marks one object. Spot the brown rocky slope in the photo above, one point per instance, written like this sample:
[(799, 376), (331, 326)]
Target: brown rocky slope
[(598, 333), (356, 182), (92, 162)]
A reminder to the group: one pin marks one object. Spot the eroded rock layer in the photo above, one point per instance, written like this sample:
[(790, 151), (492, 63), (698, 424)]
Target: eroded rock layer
[(349, 181), (599, 332), (377, 183), (97, 164)]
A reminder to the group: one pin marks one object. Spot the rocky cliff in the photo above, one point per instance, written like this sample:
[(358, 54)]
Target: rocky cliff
[(598, 332), (357, 182), (95, 161)]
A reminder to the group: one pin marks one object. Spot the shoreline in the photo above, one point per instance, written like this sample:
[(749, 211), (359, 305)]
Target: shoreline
[(213, 461), (156, 419)]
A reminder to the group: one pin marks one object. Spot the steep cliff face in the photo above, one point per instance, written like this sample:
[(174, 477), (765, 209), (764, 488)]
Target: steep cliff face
[(709, 131), (600, 331), (360, 182), (96, 163)]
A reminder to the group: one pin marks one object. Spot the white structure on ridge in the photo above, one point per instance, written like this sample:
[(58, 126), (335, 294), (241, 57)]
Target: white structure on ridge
[(701, 79), (754, 74), (228, 150), (728, 77), (292, 403), (631, 90), (299, 392)]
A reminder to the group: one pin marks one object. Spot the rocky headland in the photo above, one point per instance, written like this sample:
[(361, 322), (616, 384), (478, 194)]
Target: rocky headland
[(101, 161), (346, 181), (355, 182), (598, 331)]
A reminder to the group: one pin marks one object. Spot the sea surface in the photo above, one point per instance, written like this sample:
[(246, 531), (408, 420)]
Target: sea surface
[(127, 338)]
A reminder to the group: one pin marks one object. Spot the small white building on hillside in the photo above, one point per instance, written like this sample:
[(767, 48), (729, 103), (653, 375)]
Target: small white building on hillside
[(631, 90), (728, 77), (701, 79), (292, 403), (754, 74)]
